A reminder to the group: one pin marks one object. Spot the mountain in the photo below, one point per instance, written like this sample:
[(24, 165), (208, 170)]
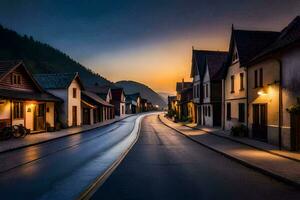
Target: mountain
[(131, 87), (165, 95), (42, 58)]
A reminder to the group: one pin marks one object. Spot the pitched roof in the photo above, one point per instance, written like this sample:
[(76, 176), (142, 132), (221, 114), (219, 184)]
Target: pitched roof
[(183, 85), (56, 81), (215, 62), (134, 96), (7, 66), (95, 97), (24, 95), (99, 89), (249, 43), (288, 36), (117, 93), (199, 60)]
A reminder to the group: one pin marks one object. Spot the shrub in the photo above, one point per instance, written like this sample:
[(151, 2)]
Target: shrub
[(240, 131), (171, 113)]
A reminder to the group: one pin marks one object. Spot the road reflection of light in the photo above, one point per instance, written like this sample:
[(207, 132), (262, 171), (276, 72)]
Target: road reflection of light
[(30, 154)]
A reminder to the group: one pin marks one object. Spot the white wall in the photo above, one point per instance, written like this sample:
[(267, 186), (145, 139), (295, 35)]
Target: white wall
[(74, 102), (63, 109), (237, 97), (29, 123), (206, 83), (50, 115), (271, 96)]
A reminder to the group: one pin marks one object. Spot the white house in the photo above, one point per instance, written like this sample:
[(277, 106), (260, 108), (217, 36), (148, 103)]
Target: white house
[(274, 90), (66, 86), (244, 45)]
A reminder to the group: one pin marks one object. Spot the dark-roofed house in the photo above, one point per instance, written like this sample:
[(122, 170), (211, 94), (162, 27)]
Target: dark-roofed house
[(104, 92), (133, 103), (274, 90), (185, 104), (94, 108), (22, 99), (118, 100), (68, 87), (198, 68), (180, 88), (211, 102), (244, 45)]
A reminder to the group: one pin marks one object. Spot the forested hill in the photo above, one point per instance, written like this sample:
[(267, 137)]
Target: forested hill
[(131, 87), (42, 58)]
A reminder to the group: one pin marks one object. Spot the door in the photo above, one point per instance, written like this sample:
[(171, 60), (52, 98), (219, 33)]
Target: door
[(86, 116), (259, 126), (40, 117), (295, 131), (74, 115)]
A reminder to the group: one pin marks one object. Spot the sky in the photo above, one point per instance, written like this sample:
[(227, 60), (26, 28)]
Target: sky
[(149, 41)]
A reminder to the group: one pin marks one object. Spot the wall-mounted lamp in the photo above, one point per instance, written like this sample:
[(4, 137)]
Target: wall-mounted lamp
[(262, 93)]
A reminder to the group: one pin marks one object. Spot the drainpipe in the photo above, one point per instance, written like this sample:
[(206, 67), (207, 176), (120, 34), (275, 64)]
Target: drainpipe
[(223, 104), (280, 106)]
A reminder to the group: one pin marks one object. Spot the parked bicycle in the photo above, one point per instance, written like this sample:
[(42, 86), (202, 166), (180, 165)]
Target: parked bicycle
[(15, 131)]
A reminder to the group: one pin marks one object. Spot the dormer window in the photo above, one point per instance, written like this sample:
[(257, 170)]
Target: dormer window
[(16, 79)]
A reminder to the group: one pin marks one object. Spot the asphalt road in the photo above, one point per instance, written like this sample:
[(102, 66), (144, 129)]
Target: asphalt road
[(166, 165), (62, 168)]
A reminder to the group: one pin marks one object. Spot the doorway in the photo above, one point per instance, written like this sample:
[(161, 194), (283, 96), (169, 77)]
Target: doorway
[(86, 116), (259, 126), (40, 117), (295, 132), (74, 115)]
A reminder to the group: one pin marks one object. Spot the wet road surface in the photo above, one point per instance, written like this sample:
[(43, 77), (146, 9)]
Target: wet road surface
[(166, 165), (62, 168)]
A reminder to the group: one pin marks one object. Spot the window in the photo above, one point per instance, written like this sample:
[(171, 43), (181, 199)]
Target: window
[(241, 112), (205, 110), (260, 77), (208, 110), (228, 111), (206, 92), (198, 91), (241, 81), (232, 84), (16, 79), (18, 110), (74, 92)]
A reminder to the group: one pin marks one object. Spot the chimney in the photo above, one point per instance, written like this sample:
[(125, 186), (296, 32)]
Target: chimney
[(182, 86)]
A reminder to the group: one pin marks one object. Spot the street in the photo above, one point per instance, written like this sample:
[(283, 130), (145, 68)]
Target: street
[(166, 165), (63, 168)]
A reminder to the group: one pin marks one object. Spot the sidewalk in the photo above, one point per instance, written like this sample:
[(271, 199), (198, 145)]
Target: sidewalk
[(29, 140), (250, 142), (279, 167)]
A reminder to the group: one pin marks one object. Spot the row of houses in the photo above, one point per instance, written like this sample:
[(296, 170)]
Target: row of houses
[(48, 102), (253, 88)]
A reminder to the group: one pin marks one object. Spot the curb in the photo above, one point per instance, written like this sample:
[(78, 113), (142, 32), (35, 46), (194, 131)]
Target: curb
[(92, 188), (240, 142), (246, 164), (52, 139)]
